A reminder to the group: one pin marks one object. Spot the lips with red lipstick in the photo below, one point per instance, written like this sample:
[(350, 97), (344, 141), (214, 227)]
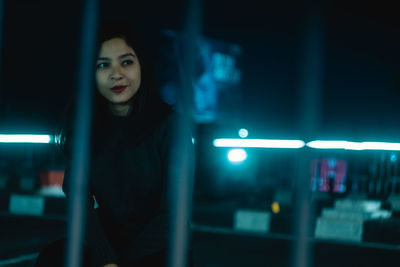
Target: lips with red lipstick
[(118, 89)]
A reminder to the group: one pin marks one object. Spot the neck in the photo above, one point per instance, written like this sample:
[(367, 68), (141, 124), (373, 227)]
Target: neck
[(121, 110)]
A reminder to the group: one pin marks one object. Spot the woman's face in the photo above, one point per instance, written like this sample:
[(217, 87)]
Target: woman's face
[(118, 73)]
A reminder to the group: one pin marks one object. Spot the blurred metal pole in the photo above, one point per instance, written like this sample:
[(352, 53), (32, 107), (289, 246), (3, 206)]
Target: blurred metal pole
[(180, 190), (1, 27), (1, 46), (81, 137), (310, 98)]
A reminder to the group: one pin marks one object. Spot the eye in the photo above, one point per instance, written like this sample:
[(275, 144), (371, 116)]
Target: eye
[(102, 65), (127, 62)]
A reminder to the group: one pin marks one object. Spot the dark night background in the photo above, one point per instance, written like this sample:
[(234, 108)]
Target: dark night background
[(360, 96), (361, 73)]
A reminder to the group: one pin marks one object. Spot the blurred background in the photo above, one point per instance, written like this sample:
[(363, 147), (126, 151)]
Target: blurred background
[(273, 72)]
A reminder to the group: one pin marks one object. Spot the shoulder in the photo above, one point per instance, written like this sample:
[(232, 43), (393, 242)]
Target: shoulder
[(168, 125), (175, 129)]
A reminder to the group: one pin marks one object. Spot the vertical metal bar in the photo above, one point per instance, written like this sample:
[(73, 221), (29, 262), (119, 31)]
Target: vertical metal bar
[(311, 83), (1, 43), (382, 166), (81, 137), (388, 166), (1, 24), (181, 189)]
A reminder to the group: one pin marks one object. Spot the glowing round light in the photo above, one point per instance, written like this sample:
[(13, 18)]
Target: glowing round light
[(237, 155), (275, 207), (243, 133)]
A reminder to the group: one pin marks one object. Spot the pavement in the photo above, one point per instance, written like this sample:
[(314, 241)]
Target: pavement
[(214, 241)]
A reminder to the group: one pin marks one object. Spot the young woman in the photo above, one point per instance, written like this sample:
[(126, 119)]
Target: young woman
[(132, 141)]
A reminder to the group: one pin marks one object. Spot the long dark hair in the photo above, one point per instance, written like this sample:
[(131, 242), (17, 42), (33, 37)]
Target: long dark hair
[(147, 107), (147, 94)]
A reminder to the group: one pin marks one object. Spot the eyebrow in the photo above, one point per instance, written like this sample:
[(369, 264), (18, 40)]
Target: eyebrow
[(121, 56)]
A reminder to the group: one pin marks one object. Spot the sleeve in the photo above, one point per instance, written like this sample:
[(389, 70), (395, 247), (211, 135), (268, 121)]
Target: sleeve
[(99, 249), (174, 173)]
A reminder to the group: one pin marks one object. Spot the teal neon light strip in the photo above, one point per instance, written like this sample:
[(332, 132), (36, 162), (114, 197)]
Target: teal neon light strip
[(262, 143), (26, 138), (317, 144)]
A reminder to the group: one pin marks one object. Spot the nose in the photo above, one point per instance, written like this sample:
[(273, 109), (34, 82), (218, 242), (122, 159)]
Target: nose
[(115, 74)]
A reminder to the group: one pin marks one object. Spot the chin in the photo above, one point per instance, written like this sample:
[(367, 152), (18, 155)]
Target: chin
[(120, 101)]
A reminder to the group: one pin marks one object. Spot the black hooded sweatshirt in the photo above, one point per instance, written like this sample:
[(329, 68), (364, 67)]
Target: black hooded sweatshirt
[(131, 167)]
